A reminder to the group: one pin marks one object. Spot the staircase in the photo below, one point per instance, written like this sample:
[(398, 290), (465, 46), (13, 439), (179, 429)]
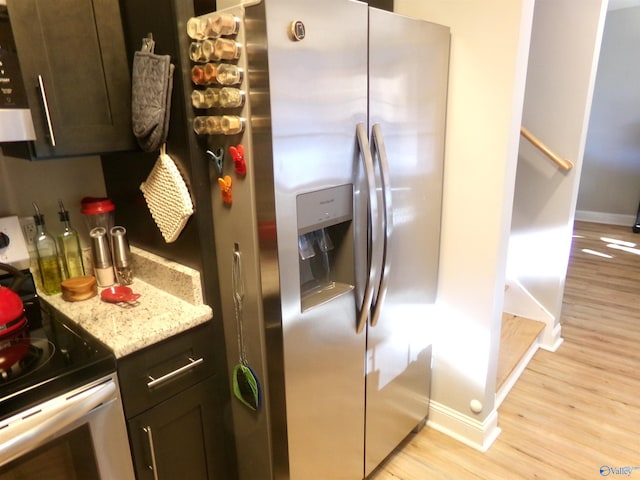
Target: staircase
[(518, 342)]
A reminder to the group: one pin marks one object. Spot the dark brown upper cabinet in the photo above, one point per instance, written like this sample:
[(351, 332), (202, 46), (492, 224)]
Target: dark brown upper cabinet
[(381, 4), (77, 78)]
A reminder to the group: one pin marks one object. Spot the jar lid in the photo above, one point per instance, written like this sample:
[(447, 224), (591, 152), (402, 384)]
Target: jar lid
[(95, 206), (79, 288)]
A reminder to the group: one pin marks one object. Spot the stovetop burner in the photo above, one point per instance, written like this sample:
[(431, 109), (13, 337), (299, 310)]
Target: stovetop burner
[(48, 356), (22, 354)]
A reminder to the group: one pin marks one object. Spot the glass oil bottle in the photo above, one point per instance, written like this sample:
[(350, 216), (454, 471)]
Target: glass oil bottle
[(48, 259), (69, 247)]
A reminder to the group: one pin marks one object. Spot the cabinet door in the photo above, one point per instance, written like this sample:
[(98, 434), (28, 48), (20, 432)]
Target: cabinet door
[(181, 438), (74, 65)]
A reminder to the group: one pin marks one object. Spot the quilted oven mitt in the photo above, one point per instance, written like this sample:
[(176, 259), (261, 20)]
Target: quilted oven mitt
[(152, 83), (167, 197)]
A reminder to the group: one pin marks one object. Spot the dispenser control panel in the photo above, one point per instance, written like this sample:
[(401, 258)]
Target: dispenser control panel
[(324, 208)]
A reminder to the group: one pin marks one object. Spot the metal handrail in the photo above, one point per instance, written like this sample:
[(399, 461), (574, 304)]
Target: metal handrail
[(564, 164)]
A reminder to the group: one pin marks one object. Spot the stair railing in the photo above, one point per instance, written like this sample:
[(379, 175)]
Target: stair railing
[(562, 163)]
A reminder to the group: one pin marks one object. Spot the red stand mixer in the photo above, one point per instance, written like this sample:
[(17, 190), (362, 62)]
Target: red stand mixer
[(14, 259)]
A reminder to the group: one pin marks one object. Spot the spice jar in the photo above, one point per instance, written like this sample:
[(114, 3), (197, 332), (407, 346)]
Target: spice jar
[(231, 97), (228, 74), (207, 125), (226, 49), (205, 98), (232, 124)]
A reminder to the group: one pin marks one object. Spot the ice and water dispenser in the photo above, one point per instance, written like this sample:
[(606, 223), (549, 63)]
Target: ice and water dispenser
[(325, 244)]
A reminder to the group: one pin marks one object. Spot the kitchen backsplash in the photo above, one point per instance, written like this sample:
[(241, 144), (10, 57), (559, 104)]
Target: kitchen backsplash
[(45, 182), (174, 278)]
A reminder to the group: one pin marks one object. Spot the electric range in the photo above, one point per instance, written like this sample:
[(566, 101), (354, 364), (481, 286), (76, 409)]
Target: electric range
[(50, 355)]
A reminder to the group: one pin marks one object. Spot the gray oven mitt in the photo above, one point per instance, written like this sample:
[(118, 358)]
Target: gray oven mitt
[(151, 84)]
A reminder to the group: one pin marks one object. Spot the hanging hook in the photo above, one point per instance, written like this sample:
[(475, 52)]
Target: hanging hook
[(148, 45)]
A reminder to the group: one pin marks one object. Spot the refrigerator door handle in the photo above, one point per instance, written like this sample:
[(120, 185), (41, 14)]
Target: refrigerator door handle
[(373, 202), (387, 214)]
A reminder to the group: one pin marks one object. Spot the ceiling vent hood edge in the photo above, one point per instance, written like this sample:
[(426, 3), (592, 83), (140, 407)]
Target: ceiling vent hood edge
[(16, 125)]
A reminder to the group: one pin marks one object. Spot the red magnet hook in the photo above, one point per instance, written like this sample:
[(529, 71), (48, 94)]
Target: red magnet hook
[(239, 165), (225, 189)]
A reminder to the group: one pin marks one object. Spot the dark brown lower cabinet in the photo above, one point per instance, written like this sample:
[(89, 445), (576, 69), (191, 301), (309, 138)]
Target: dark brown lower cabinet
[(175, 399), (176, 439)]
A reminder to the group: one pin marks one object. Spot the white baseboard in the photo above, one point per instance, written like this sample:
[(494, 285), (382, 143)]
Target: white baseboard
[(471, 432), (551, 340), (608, 218)]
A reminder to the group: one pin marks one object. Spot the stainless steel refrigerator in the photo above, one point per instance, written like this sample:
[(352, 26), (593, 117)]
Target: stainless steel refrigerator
[(327, 231)]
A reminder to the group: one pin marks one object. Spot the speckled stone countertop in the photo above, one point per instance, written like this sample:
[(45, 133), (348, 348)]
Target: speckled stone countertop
[(170, 302)]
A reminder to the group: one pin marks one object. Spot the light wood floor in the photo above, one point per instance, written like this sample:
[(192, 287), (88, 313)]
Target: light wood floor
[(516, 338), (572, 411)]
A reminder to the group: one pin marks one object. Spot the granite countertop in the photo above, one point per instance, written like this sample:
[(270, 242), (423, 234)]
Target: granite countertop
[(170, 302)]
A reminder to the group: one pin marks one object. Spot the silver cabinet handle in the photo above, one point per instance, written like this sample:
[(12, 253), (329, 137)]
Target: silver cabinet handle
[(379, 148), (154, 382), (373, 202), (45, 104), (154, 466)]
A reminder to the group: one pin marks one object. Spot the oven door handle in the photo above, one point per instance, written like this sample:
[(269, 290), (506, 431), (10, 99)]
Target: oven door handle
[(29, 429)]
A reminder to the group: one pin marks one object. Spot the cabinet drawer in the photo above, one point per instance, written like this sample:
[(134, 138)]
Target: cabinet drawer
[(160, 371)]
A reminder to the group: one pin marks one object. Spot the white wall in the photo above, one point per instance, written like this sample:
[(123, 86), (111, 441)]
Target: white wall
[(610, 181), (44, 182), (560, 80), (490, 41)]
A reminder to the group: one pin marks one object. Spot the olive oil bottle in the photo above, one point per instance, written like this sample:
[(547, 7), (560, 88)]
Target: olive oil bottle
[(69, 246), (48, 258)]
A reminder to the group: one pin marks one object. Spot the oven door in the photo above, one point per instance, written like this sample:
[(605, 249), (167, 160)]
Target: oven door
[(81, 434)]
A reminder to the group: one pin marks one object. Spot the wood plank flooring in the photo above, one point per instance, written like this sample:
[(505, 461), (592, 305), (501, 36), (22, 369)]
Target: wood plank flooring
[(516, 337), (574, 411)]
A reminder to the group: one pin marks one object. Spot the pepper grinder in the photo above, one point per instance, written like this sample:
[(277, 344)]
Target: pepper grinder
[(122, 256), (102, 264)]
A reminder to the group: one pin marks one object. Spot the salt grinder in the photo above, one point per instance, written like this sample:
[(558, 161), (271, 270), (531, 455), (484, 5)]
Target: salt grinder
[(122, 256), (102, 264)]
